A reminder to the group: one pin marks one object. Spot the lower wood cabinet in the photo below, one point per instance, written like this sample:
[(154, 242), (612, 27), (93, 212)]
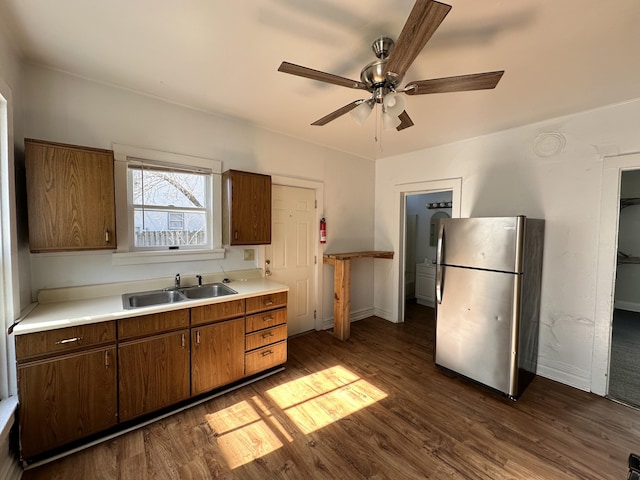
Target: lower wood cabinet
[(217, 356), (77, 381), (66, 398), (154, 373)]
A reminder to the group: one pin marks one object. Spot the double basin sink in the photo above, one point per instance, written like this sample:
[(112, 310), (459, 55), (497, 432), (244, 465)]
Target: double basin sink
[(173, 295)]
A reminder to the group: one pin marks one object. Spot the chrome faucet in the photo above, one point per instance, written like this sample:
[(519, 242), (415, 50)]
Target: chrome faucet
[(177, 281)]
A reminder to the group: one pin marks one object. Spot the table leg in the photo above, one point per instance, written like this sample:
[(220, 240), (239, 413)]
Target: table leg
[(342, 299)]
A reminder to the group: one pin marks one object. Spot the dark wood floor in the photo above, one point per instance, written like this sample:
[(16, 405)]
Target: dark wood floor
[(374, 407)]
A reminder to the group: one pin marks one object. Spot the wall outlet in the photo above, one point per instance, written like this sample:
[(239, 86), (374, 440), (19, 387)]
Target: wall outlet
[(249, 254)]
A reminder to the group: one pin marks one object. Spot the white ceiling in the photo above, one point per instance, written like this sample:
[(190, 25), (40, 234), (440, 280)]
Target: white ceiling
[(559, 57)]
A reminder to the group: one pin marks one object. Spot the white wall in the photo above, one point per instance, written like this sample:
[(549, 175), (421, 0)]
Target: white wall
[(501, 175), (68, 109)]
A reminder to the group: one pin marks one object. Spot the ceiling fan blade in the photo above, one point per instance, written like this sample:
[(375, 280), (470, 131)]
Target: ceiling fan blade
[(306, 72), (424, 19), (405, 121), (460, 83), (338, 113)]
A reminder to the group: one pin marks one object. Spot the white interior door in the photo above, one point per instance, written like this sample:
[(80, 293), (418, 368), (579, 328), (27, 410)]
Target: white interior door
[(291, 253)]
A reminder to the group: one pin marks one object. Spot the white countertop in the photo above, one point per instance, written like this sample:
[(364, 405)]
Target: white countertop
[(67, 313)]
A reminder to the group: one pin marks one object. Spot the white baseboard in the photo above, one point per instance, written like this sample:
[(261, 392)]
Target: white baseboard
[(354, 316), (629, 306)]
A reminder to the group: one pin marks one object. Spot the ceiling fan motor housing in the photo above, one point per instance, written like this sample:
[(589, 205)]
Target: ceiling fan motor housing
[(373, 74)]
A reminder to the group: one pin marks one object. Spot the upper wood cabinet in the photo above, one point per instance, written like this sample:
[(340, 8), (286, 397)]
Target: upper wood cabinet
[(246, 208), (70, 195)]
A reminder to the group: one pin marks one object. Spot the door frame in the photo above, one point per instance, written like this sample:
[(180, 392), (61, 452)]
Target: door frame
[(612, 168), (454, 185), (318, 187)]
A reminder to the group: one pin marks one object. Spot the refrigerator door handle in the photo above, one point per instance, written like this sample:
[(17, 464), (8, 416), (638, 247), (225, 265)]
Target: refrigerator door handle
[(439, 258)]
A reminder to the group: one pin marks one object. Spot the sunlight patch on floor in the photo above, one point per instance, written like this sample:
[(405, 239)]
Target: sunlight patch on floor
[(243, 434), (249, 429), (319, 399)]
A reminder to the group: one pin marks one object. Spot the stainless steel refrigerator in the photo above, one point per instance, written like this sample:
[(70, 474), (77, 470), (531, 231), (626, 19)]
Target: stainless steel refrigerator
[(488, 276)]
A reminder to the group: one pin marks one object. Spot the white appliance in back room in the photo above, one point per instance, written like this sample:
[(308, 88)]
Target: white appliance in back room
[(488, 277)]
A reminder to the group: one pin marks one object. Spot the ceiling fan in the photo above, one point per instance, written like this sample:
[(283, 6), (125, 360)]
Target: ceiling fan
[(382, 77)]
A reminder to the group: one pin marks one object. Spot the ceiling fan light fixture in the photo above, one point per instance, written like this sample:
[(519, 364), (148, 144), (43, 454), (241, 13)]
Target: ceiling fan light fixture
[(394, 104), (390, 121), (362, 112)]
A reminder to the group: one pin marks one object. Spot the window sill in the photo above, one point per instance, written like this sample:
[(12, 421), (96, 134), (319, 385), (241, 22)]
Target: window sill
[(138, 258)]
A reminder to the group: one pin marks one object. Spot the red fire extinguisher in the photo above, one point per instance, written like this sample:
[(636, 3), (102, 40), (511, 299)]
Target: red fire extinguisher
[(323, 230)]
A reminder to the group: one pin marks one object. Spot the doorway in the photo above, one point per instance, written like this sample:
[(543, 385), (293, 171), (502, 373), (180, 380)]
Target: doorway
[(451, 187), (624, 376), (423, 210), (613, 169)]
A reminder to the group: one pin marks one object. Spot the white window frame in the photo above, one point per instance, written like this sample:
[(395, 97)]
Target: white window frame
[(126, 254), (9, 279)]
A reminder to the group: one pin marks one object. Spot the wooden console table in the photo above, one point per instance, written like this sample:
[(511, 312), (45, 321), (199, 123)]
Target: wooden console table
[(342, 287)]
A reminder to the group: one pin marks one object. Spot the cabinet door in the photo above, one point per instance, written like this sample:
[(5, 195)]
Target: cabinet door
[(66, 399), (246, 208), (70, 195), (154, 373), (217, 356)]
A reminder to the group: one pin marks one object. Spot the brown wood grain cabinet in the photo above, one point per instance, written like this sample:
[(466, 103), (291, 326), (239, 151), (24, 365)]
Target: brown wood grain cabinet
[(217, 356), (77, 381), (70, 197), (246, 208), (266, 332), (70, 394), (154, 370)]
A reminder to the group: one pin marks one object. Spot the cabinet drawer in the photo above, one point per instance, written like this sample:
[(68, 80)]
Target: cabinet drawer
[(265, 337), (63, 340), (152, 324), (266, 302), (216, 312), (266, 320), (265, 358)]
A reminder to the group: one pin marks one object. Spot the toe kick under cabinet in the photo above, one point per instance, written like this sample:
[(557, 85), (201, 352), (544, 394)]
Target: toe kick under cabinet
[(84, 381)]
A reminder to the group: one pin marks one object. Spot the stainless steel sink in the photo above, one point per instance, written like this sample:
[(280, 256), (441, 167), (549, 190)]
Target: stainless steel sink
[(207, 291), (148, 299), (160, 297)]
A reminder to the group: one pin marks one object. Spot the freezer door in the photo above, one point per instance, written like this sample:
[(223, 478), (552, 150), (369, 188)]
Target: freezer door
[(491, 243), (476, 326)]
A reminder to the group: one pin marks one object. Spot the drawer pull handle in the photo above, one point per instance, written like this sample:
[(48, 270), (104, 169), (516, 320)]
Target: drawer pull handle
[(197, 337), (182, 340), (267, 318), (267, 335), (68, 340), (267, 352), (106, 359), (268, 303)]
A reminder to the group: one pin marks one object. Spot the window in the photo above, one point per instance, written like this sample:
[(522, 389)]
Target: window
[(167, 206), (170, 208)]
